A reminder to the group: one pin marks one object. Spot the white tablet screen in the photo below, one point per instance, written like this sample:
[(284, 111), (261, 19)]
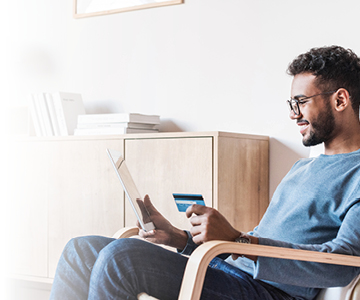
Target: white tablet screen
[(130, 189)]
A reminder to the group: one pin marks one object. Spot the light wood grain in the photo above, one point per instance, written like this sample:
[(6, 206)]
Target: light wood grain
[(161, 167), (242, 180), (61, 188), (126, 232), (85, 197), (114, 11), (199, 260)]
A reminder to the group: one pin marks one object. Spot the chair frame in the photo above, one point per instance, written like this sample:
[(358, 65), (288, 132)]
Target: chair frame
[(199, 260)]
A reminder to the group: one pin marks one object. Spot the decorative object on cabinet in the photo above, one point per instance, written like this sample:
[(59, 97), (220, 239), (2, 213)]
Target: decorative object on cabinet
[(116, 123), (55, 114)]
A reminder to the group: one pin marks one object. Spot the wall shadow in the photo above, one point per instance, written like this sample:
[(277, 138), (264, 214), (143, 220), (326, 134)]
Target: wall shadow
[(167, 125), (282, 159)]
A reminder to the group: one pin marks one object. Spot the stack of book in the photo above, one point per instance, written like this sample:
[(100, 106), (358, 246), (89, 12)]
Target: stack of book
[(116, 123), (55, 114)]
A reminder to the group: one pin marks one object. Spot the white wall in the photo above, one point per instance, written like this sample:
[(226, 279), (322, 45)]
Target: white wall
[(203, 65)]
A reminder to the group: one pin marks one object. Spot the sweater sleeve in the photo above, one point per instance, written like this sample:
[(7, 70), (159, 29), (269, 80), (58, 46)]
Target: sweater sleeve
[(301, 273)]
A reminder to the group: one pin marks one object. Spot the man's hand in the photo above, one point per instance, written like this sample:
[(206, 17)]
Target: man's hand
[(164, 233), (208, 224)]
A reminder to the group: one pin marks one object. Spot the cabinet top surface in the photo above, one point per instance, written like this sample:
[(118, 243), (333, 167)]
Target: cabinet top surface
[(148, 136)]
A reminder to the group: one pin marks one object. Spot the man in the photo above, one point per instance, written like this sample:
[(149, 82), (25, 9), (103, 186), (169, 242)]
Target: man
[(315, 207)]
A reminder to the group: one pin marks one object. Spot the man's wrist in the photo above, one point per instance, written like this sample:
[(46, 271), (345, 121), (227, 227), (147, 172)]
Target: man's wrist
[(243, 239), (179, 239), (190, 245)]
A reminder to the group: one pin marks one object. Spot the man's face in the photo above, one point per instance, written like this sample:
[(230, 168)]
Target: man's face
[(316, 119)]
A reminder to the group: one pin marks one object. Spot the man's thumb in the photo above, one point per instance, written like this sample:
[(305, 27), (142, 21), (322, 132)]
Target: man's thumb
[(149, 206)]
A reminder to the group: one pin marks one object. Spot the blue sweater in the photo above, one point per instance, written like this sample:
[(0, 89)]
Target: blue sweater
[(315, 207)]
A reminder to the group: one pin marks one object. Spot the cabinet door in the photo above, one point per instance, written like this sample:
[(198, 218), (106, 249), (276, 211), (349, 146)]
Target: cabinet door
[(27, 208), (242, 181), (83, 192), (161, 167)]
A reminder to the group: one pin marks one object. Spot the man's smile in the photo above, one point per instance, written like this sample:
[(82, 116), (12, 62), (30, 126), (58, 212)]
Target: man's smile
[(303, 125)]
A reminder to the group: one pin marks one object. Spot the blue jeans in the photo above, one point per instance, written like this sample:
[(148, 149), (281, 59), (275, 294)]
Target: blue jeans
[(100, 268)]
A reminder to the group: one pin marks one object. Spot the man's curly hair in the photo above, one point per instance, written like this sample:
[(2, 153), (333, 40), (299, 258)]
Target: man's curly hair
[(334, 67)]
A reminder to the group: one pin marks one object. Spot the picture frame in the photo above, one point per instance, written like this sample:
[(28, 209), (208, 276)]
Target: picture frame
[(91, 8)]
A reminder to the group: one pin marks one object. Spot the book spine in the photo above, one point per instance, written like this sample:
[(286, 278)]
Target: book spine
[(105, 131), (116, 125), (39, 111), (119, 118), (149, 119), (59, 111), (52, 113), (45, 115), (34, 116)]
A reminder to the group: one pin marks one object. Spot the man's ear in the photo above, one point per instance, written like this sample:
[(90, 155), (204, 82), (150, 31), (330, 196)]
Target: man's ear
[(342, 99)]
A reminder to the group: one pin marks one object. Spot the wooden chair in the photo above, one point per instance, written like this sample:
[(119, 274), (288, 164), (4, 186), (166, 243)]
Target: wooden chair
[(199, 260)]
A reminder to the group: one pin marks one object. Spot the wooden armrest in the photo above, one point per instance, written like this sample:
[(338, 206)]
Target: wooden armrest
[(126, 232), (199, 260), (356, 292)]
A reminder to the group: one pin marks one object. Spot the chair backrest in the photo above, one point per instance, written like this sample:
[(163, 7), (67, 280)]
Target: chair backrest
[(349, 292)]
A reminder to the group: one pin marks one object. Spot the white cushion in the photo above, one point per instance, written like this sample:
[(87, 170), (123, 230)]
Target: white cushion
[(339, 293), (144, 296)]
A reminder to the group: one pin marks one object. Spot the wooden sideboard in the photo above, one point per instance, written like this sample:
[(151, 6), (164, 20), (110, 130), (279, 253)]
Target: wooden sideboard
[(63, 187)]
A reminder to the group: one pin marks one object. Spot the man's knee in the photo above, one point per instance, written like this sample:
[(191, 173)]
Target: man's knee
[(130, 255), (124, 249), (127, 266), (85, 246)]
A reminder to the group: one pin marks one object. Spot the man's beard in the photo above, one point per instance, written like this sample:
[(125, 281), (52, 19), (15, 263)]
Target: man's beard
[(321, 128)]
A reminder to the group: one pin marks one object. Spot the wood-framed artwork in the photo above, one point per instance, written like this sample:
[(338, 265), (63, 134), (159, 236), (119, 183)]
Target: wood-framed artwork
[(91, 8)]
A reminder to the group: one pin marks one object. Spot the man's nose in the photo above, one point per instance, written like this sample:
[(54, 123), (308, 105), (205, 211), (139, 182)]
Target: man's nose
[(294, 116)]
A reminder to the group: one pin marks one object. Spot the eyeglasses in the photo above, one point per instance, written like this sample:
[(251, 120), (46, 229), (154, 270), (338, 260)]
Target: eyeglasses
[(294, 103)]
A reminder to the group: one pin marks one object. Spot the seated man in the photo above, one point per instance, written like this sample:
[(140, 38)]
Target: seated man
[(315, 207)]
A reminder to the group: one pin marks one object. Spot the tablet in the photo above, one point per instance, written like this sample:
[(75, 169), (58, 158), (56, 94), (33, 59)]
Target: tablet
[(130, 189)]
